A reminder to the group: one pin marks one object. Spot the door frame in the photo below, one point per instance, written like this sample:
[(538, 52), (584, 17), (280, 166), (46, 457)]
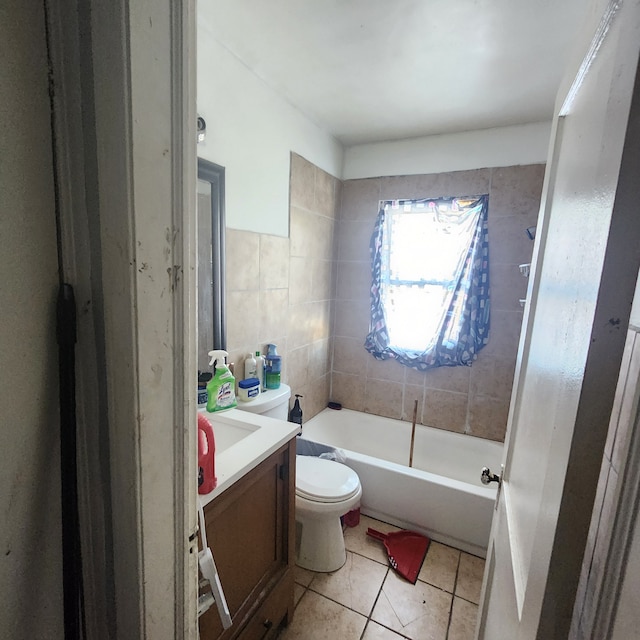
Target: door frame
[(124, 121)]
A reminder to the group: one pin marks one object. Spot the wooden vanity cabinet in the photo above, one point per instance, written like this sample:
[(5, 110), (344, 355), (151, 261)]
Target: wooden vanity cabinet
[(251, 532)]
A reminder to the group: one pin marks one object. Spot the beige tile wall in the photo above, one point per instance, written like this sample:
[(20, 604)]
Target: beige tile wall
[(289, 291), (473, 400), (280, 290)]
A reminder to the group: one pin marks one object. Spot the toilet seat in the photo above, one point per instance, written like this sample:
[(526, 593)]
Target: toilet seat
[(326, 481)]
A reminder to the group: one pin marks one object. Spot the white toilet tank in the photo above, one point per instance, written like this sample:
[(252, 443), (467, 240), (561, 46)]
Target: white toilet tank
[(273, 403)]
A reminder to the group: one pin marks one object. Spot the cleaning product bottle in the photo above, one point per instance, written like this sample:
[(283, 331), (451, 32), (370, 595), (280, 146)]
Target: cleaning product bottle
[(250, 367), (295, 415), (221, 389), (273, 367), (260, 370), (206, 456)]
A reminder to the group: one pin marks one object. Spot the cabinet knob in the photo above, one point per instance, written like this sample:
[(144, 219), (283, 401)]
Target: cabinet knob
[(267, 624)]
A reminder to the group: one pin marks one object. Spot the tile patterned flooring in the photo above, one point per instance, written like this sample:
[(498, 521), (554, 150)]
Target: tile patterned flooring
[(367, 600)]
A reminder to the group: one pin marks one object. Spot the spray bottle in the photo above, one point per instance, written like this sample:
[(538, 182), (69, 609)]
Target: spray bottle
[(221, 389)]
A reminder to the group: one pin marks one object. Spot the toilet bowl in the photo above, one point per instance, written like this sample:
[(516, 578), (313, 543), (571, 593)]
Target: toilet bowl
[(325, 491)]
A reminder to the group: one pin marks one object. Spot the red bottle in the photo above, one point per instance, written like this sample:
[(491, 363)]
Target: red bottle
[(206, 456)]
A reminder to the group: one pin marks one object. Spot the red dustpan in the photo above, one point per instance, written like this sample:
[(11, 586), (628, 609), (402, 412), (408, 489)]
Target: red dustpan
[(406, 551)]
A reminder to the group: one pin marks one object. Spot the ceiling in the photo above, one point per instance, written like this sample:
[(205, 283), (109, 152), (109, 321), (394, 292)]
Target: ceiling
[(374, 70)]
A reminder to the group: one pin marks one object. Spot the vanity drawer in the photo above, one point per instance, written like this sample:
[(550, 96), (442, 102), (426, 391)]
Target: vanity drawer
[(265, 622)]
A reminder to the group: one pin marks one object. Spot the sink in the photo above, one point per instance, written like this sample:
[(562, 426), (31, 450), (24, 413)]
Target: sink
[(243, 440), (228, 433)]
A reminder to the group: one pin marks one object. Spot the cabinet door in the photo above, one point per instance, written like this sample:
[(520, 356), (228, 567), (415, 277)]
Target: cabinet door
[(247, 530)]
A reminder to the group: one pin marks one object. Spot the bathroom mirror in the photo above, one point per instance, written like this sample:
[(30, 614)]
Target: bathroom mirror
[(210, 260)]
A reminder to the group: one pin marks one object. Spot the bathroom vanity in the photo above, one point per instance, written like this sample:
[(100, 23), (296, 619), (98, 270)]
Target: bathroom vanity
[(251, 529)]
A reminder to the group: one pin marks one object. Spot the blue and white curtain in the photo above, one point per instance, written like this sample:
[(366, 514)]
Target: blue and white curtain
[(430, 282)]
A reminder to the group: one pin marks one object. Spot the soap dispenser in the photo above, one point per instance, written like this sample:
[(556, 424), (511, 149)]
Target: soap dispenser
[(295, 415)]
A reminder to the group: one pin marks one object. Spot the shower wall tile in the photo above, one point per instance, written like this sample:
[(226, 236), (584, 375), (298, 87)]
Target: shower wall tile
[(272, 313), (302, 183), (325, 194), (298, 366), (274, 262), (349, 356), (446, 378), (322, 279), (352, 318), (353, 238), (348, 390), (299, 281), (488, 417), (504, 335), (281, 290), (492, 377), (508, 287), (400, 187), (319, 358), (456, 398), (508, 239), (311, 234), (445, 410), (320, 320), (301, 230), (315, 396), (435, 185), (415, 377), (243, 260), (383, 398), (320, 243), (517, 190), (314, 201), (390, 370), (412, 392), (360, 199), (299, 325), (243, 318), (354, 280), (309, 294)]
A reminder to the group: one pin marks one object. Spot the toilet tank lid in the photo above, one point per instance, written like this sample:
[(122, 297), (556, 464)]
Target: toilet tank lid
[(267, 400)]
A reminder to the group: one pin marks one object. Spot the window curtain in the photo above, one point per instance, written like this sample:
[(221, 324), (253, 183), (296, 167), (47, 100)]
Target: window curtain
[(462, 326)]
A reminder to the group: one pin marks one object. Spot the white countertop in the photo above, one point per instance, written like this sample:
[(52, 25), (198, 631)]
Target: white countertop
[(263, 437)]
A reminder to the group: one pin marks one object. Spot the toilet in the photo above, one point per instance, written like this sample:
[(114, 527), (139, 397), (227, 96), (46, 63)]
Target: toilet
[(325, 491)]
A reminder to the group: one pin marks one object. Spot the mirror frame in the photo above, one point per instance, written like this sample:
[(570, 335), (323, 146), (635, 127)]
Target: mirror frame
[(214, 175)]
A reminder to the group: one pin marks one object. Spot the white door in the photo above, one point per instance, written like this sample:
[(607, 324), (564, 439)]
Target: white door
[(584, 270)]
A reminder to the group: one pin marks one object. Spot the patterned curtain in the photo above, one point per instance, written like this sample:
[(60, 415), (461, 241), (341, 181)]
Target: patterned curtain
[(430, 282)]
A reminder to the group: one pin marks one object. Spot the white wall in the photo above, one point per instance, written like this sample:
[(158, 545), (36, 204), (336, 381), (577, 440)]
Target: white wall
[(251, 131), (30, 529), (499, 147)]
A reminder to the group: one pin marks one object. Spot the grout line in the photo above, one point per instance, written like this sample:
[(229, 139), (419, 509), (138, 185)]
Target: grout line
[(453, 595)]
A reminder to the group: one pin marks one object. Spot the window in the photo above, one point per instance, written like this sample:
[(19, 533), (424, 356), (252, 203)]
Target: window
[(430, 281)]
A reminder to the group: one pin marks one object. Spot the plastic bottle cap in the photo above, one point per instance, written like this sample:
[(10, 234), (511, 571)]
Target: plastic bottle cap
[(248, 383)]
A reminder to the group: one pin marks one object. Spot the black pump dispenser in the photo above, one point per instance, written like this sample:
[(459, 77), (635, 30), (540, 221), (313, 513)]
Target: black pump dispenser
[(295, 415)]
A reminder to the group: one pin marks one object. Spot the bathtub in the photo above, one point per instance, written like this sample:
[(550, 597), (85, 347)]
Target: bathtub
[(440, 496)]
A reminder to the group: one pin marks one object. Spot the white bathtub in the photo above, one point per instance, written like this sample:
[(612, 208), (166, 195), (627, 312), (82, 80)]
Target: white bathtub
[(440, 496)]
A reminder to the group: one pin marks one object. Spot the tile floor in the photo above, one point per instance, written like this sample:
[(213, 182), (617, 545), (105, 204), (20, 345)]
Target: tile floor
[(366, 600)]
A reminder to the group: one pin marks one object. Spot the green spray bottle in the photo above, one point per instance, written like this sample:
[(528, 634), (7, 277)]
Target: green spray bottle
[(221, 389)]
